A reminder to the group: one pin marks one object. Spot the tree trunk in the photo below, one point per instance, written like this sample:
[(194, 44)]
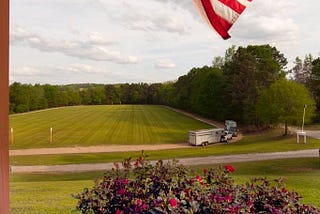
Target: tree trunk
[(285, 128)]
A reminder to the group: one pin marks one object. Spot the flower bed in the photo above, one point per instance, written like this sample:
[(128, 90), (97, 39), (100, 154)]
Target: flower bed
[(140, 187)]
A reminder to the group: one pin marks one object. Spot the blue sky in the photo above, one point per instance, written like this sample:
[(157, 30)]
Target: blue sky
[(107, 41)]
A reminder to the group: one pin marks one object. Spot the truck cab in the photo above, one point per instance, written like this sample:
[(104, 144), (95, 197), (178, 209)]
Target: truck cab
[(231, 127)]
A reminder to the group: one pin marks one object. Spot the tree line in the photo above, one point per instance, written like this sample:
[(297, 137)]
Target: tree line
[(230, 88)]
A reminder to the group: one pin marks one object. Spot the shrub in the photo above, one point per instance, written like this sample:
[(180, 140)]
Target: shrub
[(168, 187)]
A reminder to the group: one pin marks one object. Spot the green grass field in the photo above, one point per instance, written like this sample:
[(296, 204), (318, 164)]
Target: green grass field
[(101, 125), (135, 124), (51, 193), (270, 141)]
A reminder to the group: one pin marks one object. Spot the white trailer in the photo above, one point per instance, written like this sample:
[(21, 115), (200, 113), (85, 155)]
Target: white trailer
[(205, 137)]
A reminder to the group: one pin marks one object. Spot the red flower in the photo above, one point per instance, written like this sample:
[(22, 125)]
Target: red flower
[(198, 177), (229, 198), (118, 212), (137, 163), (230, 168), (284, 190), (121, 191), (173, 202), (205, 171)]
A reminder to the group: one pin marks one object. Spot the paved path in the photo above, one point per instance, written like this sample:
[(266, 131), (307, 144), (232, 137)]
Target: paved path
[(313, 133), (185, 161)]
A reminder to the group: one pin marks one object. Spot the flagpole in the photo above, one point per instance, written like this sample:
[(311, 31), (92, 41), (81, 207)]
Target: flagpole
[(304, 114), (4, 107)]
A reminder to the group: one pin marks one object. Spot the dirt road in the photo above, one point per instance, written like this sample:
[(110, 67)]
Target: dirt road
[(185, 161), (96, 149)]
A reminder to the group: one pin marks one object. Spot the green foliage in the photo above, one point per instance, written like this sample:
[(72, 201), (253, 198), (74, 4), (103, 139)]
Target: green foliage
[(250, 70), (283, 102), (170, 188), (315, 81)]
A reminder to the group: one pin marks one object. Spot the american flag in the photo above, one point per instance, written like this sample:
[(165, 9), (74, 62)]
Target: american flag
[(221, 14)]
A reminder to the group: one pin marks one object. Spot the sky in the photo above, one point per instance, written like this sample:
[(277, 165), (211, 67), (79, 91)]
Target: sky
[(151, 41)]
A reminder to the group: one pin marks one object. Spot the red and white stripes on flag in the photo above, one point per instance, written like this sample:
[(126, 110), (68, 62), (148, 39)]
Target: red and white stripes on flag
[(221, 14)]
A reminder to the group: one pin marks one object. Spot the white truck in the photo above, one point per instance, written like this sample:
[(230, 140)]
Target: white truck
[(231, 127), (207, 136)]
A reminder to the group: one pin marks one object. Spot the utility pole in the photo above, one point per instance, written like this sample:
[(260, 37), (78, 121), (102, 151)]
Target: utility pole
[(4, 107)]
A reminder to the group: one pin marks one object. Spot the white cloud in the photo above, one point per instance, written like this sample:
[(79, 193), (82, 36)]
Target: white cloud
[(148, 16), (24, 71), (164, 63), (79, 69), (267, 22), (105, 41), (95, 38), (92, 49)]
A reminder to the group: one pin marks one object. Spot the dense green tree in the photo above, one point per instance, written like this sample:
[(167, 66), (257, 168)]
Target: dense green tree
[(283, 102), (37, 98), (97, 95), (52, 95), (314, 85), (110, 93), (167, 94), (250, 70), (302, 70), (19, 97)]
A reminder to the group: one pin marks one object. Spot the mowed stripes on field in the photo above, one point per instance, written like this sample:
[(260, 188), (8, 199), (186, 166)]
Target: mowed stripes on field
[(101, 125)]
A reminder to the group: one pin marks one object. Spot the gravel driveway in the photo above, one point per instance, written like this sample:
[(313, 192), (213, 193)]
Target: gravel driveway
[(185, 161)]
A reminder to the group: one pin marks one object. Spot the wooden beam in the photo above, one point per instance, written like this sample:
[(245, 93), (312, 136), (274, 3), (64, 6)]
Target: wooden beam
[(4, 107)]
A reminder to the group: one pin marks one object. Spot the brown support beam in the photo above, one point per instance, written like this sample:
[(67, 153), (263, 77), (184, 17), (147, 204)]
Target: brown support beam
[(4, 107)]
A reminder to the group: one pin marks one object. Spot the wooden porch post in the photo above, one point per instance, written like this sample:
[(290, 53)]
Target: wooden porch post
[(4, 107)]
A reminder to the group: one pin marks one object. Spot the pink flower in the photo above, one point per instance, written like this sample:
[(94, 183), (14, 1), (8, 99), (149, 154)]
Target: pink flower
[(284, 190), (118, 212), (125, 181), (144, 206), (173, 202), (230, 168), (138, 201)]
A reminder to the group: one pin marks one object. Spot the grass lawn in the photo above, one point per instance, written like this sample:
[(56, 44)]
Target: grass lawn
[(101, 125), (271, 141), (50, 193)]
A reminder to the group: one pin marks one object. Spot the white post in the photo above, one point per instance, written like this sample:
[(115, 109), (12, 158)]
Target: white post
[(11, 136), (51, 135)]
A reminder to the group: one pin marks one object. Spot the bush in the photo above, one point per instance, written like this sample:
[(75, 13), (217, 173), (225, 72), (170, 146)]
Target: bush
[(167, 187)]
